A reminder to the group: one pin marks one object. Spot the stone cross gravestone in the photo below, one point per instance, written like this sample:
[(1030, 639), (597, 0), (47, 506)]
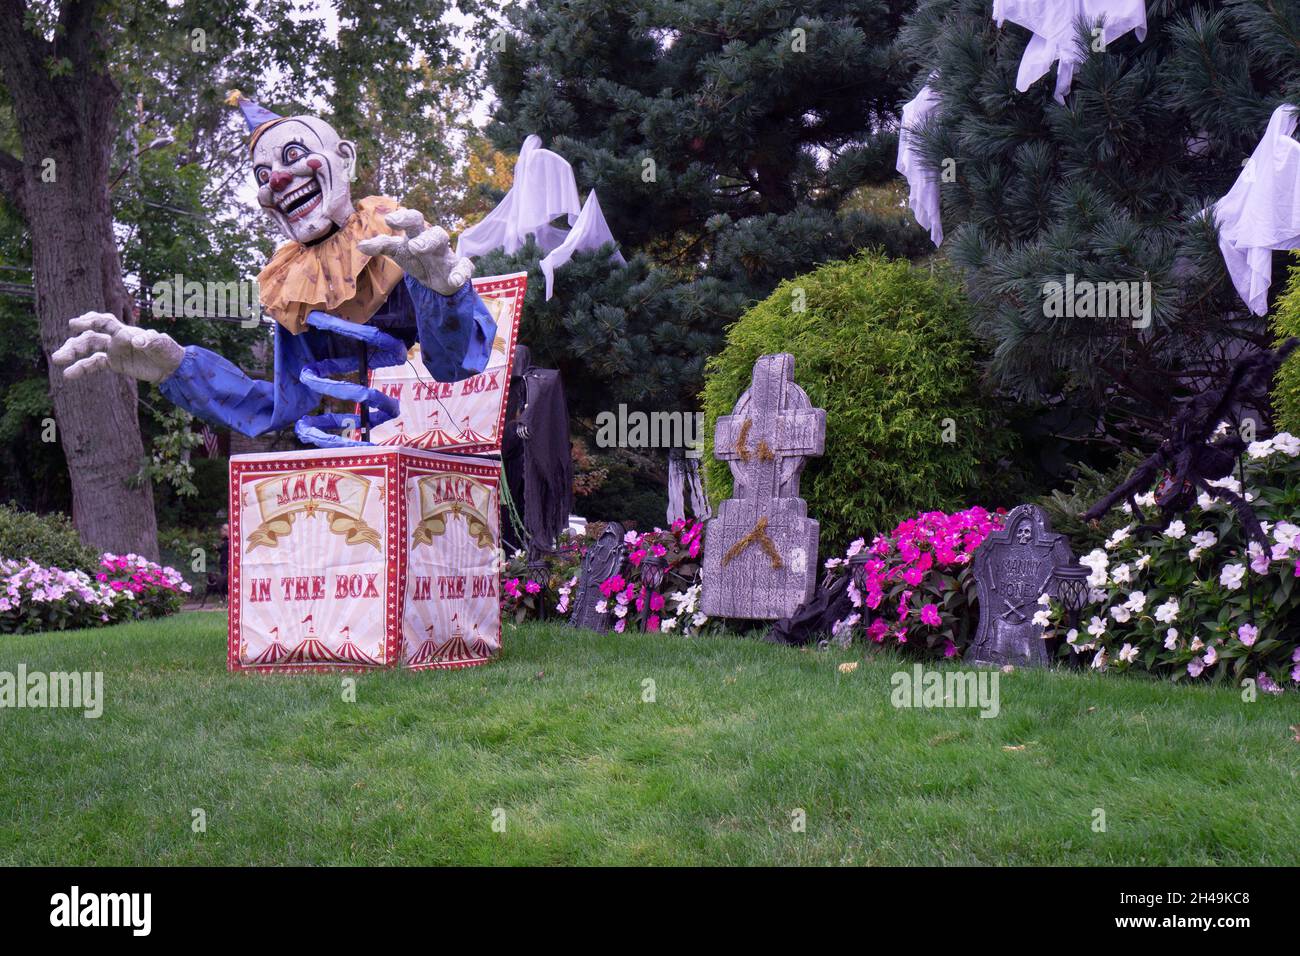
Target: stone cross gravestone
[(760, 550), (604, 558), (1013, 567)]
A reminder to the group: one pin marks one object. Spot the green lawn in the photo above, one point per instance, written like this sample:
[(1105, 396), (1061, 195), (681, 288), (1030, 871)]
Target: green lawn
[(556, 735)]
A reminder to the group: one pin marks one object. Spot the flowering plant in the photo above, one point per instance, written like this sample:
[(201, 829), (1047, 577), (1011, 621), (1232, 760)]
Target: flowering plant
[(1194, 599), (36, 598), (918, 588), (624, 591), (522, 597)]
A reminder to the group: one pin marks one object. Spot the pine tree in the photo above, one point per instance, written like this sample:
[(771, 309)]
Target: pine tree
[(724, 138), (1107, 187)]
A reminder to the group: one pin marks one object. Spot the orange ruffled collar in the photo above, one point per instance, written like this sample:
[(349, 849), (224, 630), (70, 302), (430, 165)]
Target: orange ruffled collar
[(332, 276)]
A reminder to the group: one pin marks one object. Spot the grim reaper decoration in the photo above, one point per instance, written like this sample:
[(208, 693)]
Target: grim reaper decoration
[(353, 288), (1192, 455)]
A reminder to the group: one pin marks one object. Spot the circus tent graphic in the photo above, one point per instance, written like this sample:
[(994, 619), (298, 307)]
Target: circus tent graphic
[(431, 440), (311, 650), (479, 647), (274, 651), (348, 650), (469, 435), (453, 650)]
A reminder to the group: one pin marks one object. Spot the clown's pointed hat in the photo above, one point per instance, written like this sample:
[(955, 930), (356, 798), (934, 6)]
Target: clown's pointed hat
[(258, 117)]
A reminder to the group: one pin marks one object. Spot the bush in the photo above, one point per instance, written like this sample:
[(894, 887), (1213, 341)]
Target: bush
[(1193, 600), (1286, 323), (48, 540), (885, 348)]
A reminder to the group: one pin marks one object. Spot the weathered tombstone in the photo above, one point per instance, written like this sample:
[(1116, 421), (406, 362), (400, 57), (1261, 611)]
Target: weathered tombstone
[(760, 550), (604, 558), (1013, 567)]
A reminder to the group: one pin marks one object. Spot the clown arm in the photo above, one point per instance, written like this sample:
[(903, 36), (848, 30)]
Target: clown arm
[(456, 331), (215, 390)]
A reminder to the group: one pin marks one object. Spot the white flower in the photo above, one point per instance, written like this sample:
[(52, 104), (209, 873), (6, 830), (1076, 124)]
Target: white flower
[(1204, 501), (1043, 618), (668, 624), (1120, 534), (1167, 613), (1260, 449), (1197, 644), (1147, 500), (620, 610), (1137, 600), (1096, 558), (1120, 574), (1286, 533), (1128, 653), (1142, 561), (700, 619), (1205, 539), (1097, 626), (1171, 638), (1099, 662), (1231, 576), (1096, 595), (1071, 635), (1227, 481), (1045, 600), (1287, 443), (1175, 530), (1221, 429), (602, 607), (1121, 614)]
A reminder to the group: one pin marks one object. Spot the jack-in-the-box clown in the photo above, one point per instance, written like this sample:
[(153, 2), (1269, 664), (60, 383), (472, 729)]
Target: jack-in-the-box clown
[(371, 273)]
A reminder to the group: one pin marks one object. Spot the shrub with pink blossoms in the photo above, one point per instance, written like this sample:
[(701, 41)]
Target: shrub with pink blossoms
[(36, 598), (919, 591)]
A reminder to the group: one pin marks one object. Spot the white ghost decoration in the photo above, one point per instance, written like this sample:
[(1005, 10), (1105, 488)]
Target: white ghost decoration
[(1052, 23), (544, 188), (1262, 210), (922, 180)]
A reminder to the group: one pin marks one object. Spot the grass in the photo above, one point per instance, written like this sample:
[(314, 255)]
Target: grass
[(557, 736)]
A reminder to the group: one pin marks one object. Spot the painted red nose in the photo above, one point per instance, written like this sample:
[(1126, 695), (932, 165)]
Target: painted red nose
[(280, 180)]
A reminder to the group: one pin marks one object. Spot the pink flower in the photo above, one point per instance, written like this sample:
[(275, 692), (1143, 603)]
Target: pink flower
[(913, 576), (878, 628), (512, 587), (532, 587), (1247, 634), (949, 649), (653, 622), (930, 615)]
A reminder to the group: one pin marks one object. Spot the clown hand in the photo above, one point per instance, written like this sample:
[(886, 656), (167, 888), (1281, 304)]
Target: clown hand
[(424, 252), (100, 341)]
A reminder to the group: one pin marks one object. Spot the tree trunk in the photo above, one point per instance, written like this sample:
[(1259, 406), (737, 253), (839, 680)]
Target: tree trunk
[(76, 268)]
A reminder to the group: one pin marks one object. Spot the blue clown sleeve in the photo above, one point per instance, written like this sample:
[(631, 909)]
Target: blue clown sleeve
[(456, 331), (215, 390)]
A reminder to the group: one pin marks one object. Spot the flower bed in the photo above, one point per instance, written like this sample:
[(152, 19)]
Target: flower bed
[(918, 590), (674, 606), (126, 587), (1193, 599)]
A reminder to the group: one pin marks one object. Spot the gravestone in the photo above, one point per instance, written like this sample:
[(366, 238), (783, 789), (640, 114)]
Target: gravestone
[(603, 559), (760, 550), (1012, 568)]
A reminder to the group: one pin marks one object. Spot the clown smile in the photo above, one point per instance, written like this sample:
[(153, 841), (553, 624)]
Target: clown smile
[(301, 201)]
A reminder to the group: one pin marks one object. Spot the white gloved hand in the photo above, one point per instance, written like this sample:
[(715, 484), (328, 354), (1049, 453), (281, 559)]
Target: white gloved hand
[(424, 252), (100, 341)]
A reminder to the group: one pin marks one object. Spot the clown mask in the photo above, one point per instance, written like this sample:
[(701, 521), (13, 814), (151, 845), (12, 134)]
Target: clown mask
[(303, 172)]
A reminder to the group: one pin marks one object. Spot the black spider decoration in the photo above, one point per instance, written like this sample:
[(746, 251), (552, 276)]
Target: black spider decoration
[(1191, 456)]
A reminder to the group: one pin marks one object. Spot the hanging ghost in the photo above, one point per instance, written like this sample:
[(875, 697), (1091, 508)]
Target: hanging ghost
[(353, 287), (1262, 210), (922, 180), (1053, 25), (544, 189)]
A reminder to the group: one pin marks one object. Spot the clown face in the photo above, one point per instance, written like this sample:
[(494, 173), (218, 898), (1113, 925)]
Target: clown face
[(303, 172)]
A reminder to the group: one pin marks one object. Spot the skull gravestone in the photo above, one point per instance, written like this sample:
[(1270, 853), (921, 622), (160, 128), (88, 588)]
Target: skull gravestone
[(603, 559), (760, 550), (1013, 567)]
